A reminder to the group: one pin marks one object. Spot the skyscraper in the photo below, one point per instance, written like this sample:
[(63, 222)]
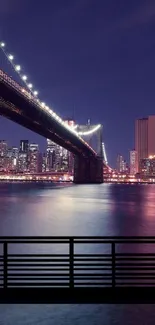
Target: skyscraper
[(24, 146), (23, 156), (3, 155), (50, 155), (34, 158), (133, 162), (121, 164), (145, 138)]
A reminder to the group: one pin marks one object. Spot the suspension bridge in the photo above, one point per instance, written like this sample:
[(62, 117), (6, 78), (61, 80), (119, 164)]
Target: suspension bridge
[(19, 102)]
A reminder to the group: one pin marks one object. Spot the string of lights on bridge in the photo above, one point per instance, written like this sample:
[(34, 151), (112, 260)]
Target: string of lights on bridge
[(29, 86)]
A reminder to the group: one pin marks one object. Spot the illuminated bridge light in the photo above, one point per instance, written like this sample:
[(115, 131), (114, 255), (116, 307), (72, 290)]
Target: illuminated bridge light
[(30, 86), (35, 93), (2, 44), (11, 57), (18, 67), (24, 78)]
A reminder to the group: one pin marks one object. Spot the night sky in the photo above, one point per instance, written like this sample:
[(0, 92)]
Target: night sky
[(93, 58)]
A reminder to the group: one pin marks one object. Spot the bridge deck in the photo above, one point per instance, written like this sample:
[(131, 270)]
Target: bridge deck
[(77, 269)]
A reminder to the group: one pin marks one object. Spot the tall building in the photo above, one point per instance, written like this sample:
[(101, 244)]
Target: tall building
[(9, 160), (44, 160), (121, 164), (145, 138), (34, 158), (23, 161), (133, 162), (15, 154), (147, 167), (3, 155), (50, 156), (24, 146)]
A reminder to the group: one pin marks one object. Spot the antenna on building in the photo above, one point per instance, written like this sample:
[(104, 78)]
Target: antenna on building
[(89, 121), (73, 116)]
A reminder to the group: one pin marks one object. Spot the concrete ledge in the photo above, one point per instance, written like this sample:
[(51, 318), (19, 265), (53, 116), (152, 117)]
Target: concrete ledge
[(126, 295)]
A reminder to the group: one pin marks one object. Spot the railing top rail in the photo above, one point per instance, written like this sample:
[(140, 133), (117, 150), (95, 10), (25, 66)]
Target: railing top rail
[(77, 239)]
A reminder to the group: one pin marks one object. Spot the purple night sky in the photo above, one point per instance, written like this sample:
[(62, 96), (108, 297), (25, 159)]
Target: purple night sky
[(95, 58)]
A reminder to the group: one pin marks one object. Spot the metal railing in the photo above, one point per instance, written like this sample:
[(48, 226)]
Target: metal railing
[(120, 262)]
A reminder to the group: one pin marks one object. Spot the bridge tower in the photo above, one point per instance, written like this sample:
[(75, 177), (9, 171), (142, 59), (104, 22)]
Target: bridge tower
[(90, 169)]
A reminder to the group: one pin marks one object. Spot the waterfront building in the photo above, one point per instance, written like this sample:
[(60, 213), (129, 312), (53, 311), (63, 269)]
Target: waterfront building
[(3, 155), (133, 162), (44, 160), (50, 156), (33, 158), (23, 157), (147, 167), (24, 146), (144, 138), (121, 164)]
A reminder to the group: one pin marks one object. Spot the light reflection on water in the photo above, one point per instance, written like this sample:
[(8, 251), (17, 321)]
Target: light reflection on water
[(94, 210)]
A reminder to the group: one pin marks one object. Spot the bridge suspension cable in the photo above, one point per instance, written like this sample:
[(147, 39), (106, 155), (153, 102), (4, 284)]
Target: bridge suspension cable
[(104, 153), (90, 131), (34, 93)]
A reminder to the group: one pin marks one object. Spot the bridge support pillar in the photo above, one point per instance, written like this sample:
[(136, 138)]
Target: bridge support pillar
[(88, 170)]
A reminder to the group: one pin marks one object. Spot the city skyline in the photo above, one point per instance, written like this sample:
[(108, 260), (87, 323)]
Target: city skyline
[(27, 158), (93, 63)]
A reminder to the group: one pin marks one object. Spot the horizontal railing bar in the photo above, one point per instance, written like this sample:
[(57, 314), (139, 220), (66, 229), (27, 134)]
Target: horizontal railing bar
[(37, 269), (134, 254), (146, 268), (37, 284), (92, 255), (60, 255), (136, 263), (135, 283), (93, 269), (58, 275), (91, 283), (37, 260), (51, 279), (35, 241), (134, 274), (38, 255), (39, 278), (89, 264), (135, 278), (135, 259), (93, 259), (19, 264), (38, 274), (77, 239)]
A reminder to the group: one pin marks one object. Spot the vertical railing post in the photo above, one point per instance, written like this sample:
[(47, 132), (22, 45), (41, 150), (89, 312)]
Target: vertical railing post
[(5, 253), (71, 261), (113, 264)]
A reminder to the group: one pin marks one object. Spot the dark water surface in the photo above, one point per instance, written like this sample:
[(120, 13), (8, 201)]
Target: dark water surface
[(100, 210)]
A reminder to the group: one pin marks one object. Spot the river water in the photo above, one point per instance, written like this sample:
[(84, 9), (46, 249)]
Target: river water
[(87, 210)]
